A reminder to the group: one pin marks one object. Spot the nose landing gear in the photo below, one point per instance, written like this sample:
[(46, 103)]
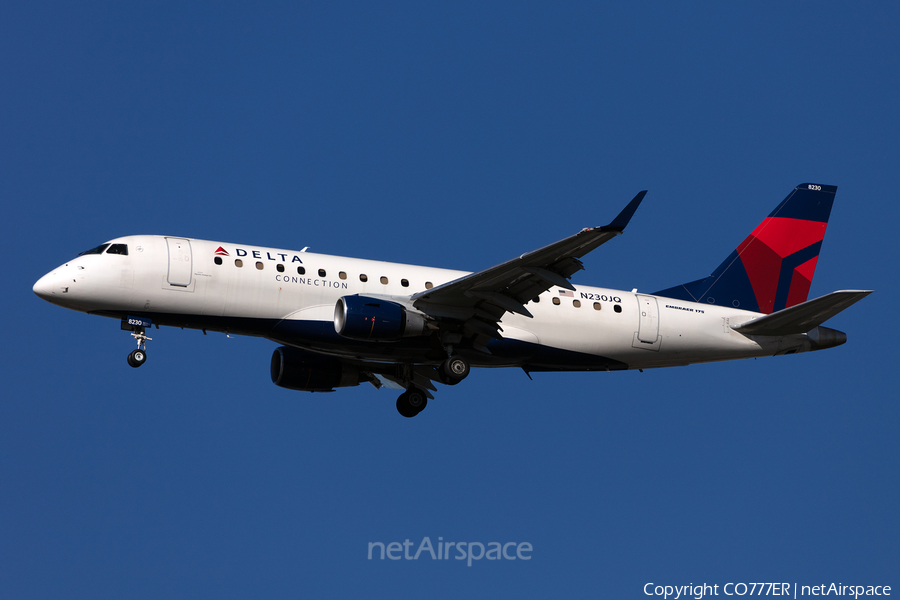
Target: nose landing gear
[(139, 356)]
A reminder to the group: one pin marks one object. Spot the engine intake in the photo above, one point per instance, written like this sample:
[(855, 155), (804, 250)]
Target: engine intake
[(297, 369), (372, 319)]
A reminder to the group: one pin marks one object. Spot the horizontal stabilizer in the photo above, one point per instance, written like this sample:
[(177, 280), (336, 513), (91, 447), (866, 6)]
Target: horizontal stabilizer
[(802, 317)]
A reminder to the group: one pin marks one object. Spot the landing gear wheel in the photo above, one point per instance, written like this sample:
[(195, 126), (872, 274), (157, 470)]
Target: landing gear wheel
[(444, 379), (411, 402), (453, 370), (137, 358)]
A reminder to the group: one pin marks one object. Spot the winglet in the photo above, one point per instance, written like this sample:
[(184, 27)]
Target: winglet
[(619, 223)]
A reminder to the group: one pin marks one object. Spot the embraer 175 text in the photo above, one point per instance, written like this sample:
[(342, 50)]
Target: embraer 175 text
[(344, 321)]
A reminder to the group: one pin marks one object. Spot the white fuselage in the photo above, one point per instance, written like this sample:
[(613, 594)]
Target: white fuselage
[(289, 296)]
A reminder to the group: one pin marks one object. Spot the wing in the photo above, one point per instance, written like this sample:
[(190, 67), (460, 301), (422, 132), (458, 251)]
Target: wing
[(478, 301)]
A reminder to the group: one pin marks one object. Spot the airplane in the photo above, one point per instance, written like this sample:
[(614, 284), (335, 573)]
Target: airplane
[(344, 321)]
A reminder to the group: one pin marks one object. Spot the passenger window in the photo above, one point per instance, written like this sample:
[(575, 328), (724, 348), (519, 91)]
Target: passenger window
[(98, 250), (218, 260), (279, 268), (404, 282), (301, 271), (597, 306), (238, 262), (260, 266), (321, 272), (556, 301), (384, 280), (342, 275), (428, 285), (363, 277), (617, 308), (576, 303), (118, 249)]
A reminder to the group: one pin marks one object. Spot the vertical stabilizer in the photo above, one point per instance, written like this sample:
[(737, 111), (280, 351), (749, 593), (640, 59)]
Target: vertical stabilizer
[(773, 267)]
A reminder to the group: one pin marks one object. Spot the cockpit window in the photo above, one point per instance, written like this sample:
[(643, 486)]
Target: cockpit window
[(118, 249), (98, 250)]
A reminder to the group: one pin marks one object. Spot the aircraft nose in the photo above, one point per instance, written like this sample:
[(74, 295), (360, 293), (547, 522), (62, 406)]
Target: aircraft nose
[(42, 287), (47, 287)]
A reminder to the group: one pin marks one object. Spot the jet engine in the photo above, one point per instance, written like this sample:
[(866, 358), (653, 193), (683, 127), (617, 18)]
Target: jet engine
[(297, 369), (372, 319)]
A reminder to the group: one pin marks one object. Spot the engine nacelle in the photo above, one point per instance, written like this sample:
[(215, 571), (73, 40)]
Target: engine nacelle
[(297, 369), (372, 319)]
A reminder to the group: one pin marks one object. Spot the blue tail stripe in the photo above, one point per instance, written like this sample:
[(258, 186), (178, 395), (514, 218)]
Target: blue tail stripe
[(788, 264)]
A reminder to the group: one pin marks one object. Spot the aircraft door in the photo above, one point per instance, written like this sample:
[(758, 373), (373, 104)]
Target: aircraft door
[(648, 329), (180, 263)]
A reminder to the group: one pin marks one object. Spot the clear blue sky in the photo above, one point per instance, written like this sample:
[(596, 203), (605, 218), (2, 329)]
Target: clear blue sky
[(456, 135)]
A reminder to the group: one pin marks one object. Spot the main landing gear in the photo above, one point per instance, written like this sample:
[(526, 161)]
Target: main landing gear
[(453, 370), (414, 400), (139, 356)]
